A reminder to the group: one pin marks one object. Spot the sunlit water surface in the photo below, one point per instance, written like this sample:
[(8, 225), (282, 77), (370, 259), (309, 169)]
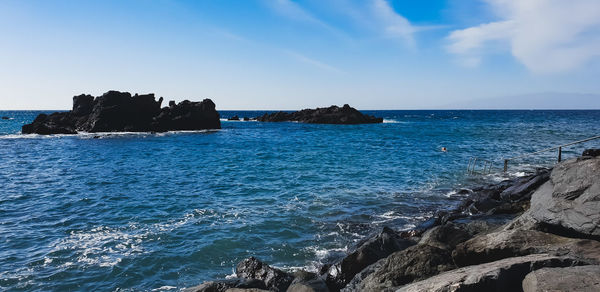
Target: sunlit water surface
[(166, 211)]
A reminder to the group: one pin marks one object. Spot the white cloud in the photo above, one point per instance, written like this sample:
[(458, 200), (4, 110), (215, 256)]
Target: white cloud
[(547, 36), (377, 17), (391, 23)]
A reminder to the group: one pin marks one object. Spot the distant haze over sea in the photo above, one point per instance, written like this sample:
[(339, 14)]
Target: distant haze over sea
[(549, 100)]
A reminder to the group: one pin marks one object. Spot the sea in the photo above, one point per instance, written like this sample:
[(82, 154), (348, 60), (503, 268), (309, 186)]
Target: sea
[(165, 211)]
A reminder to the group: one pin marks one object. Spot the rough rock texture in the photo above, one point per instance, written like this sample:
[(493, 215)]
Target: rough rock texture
[(307, 282), (581, 279), (502, 275), (414, 263), (274, 279), (330, 115), (568, 204), (117, 111), (447, 236), (246, 290), (430, 257), (375, 248), (507, 243), (225, 285)]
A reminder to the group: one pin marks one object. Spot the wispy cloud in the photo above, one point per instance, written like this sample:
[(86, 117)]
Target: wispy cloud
[(377, 17), (546, 36), (294, 11), (313, 62), (391, 23)]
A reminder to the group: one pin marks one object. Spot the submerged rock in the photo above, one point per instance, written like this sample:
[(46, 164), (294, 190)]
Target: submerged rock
[(117, 111), (5, 118), (234, 118), (330, 115)]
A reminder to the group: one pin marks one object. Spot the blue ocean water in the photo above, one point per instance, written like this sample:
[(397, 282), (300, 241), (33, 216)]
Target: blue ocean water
[(142, 211)]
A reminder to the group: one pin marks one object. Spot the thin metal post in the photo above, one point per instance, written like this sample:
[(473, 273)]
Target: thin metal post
[(559, 154), (505, 165)]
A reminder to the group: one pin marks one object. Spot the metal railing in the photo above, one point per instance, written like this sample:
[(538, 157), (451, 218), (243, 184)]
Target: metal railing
[(548, 149), (472, 167)]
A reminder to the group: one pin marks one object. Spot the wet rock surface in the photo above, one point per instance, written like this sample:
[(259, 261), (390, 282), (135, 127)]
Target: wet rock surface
[(367, 253), (273, 279), (329, 115), (116, 111)]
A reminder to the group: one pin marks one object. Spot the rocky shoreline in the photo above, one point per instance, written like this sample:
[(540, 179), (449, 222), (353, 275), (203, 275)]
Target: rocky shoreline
[(533, 233)]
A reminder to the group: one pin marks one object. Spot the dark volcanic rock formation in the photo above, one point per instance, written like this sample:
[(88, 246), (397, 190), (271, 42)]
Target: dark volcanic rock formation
[(367, 253), (274, 279), (117, 111), (329, 115)]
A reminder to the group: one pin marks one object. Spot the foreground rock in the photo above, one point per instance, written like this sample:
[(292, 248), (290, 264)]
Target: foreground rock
[(117, 111), (502, 275), (582, 279), (330, 115), (569, 203), (274, 279), (430, 257), (367, 253)]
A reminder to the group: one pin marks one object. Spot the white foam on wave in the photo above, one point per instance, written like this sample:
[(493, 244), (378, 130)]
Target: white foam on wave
[(105, 246), (101, 135), (164, 288), (392, 121), (322, 253), (450, 194)]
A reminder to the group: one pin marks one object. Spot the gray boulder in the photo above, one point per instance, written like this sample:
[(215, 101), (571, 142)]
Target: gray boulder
[(274, 279), (226, 285), (581, 279), (502, 275), (510, 243), (414, 263), (307, 282), (367, 253), (568, 203)]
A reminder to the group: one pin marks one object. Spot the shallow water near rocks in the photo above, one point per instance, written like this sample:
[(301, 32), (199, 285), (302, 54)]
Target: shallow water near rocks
[(143, 211)]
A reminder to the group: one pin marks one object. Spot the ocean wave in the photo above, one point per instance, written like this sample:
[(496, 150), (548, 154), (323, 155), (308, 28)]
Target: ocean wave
[(106, 247), (101, 135), (393, 121)]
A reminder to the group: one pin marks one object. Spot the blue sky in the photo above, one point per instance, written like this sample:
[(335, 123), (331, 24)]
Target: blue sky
[(283, 54)]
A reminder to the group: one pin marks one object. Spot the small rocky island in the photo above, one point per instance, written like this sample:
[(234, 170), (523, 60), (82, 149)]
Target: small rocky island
[(329, 115), (116, 111), (534, 233)]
